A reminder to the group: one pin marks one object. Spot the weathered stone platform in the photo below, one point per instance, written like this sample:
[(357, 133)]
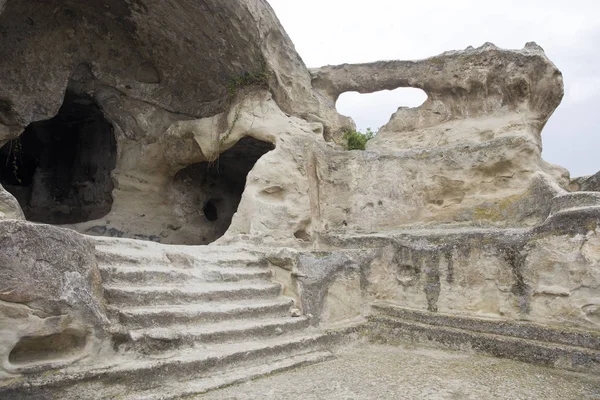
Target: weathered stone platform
[(374, 372)]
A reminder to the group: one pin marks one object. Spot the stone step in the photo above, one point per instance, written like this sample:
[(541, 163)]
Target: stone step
[(393, 330), (218, 381), (139, 317), (157, 254), (154, 340), (148, 374), (158, 274), (180, 294), (526, 330)]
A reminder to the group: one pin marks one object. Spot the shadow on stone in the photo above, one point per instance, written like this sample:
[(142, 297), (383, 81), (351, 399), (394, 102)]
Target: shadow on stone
[(208, 194), (59, 169)]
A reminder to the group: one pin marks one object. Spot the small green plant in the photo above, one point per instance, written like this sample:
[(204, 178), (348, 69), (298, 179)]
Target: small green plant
[(258, 79), (357, 140)]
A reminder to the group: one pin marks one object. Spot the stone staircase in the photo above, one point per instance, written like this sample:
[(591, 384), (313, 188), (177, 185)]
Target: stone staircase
[(185, 321), (551, 346)]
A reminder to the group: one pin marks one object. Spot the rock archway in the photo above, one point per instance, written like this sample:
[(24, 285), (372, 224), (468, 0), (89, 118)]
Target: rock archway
[(60, 169)]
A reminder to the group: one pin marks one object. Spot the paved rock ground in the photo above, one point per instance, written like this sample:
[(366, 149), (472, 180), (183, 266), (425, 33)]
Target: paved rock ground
[(409, 372)]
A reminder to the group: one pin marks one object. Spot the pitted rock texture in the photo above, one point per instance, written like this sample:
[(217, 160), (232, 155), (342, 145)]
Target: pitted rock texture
[(215, 130), (178, 56), (50, 269), (468, 84), (51, 301), (589, 183), (471, 154), (549, 274), (178, 86), (491, 184), (277, 204), (149, 66)]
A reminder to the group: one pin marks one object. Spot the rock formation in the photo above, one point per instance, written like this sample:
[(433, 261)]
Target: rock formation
[(52, 312), (470, 154), (191, 123), (586, 183), (9, 207), (145, 66)]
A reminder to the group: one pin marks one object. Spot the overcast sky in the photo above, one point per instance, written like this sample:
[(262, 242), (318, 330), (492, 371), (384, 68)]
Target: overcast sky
[(351, 31)]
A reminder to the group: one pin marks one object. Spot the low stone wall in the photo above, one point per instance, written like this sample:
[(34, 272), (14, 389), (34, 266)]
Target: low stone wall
[(549, 274)]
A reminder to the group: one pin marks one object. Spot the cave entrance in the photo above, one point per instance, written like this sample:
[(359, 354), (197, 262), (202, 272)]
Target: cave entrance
[(59, 169), (208, 194)]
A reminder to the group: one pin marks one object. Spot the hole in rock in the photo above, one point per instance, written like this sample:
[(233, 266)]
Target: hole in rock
[(373, 110), (59, 169), (208, 194), (302, 235), (36, 349), (210, 211)]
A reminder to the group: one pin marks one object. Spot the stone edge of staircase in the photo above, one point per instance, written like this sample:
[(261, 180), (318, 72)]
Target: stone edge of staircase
[(43, 386), (521, 341)]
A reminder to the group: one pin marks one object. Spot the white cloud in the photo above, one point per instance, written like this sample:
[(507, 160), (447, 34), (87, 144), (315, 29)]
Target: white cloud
[(582, 91)]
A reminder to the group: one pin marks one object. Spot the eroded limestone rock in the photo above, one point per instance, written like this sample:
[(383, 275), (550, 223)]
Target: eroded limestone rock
[(484, 85), (179, 57), (471, 154), (142, 63), (589, 183), (548, 274), (9, 207), (221, 133), (51, 301)]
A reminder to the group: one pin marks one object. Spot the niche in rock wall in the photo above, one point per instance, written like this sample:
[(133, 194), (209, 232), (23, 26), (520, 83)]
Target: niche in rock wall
[(206, 195), (40, 349), (59, 169)]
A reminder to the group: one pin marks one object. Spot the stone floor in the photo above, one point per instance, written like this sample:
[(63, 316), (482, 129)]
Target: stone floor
[(383, 372)]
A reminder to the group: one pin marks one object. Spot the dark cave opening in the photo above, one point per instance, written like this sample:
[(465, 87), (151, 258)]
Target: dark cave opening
[(210, 211), (59, 169), (209, 193)]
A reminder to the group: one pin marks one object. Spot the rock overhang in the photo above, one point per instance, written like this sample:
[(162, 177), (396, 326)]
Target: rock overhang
[(178, 56)]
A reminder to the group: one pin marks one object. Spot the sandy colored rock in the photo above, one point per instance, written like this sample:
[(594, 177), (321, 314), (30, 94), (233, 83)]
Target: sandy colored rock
[(488, 85), (9, 207), (51, 299), (586, 183), (162, 126), (470, 155), (124, 54), (130, 59)]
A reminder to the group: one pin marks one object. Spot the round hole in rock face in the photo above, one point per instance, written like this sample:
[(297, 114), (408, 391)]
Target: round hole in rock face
[(59, 169), (210, 211)]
